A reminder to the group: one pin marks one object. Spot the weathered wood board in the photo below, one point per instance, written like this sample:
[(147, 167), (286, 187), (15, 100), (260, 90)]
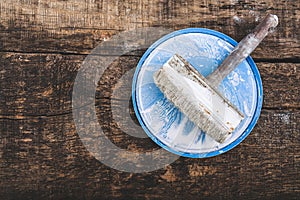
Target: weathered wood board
[(78, 26), (42, 84), (42, 46), (44, 158)]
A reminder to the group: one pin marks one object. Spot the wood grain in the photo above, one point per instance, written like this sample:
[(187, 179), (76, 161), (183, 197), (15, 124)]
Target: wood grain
[(40, 146), (42, 84), (44, 158), (78, 26), (42, 46)]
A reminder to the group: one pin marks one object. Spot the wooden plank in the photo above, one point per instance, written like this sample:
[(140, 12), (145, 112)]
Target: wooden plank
[(281, 83), (44, 158), (78, 26), (42, 84), (37, 84), (42, 45)]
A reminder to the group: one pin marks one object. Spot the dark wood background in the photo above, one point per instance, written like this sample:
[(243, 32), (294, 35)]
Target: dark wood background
[(44, 42)]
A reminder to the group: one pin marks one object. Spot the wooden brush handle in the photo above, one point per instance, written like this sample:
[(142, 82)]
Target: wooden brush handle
[(243, 50)]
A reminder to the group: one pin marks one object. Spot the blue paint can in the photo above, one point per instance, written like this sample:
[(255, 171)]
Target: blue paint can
[(205, 49)]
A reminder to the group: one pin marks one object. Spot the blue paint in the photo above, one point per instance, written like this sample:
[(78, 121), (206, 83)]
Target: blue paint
[(205, 49)]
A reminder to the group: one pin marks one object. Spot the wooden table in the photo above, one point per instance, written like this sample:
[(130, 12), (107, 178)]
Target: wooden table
[(42, 46)]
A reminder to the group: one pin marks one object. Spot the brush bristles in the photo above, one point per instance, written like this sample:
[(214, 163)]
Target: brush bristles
[(188, 91)]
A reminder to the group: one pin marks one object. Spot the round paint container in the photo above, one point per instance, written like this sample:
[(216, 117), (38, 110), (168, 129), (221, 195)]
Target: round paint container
[(205, 49)]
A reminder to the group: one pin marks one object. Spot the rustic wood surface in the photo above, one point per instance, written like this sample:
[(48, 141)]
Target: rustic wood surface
[(42, 46)]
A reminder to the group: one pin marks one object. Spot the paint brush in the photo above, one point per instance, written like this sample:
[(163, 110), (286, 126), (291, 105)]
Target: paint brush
[(198, 97)]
